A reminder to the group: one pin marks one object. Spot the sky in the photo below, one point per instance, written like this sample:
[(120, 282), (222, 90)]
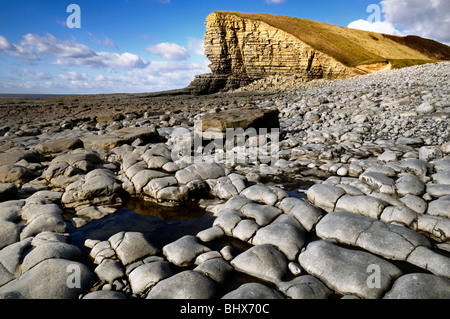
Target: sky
[(137, 46)]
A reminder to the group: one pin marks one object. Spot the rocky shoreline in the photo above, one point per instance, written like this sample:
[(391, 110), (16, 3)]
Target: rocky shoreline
[(370, 219)]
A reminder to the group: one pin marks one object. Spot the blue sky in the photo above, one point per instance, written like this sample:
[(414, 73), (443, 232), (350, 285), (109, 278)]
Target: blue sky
[(130, 46)]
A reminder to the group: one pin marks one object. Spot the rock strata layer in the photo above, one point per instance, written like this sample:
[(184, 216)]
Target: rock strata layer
[(244, 50)]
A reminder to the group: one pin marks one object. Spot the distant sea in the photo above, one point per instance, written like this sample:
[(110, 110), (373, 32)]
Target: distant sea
[(32, 96)]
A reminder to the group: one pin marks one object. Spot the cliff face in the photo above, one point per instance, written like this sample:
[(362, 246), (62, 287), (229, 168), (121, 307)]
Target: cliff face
[(244, 47), (244, 50)]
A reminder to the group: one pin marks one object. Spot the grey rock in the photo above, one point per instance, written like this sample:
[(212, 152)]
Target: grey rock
[(143, 177), (52, 279), (253, 291), (440, 207), (262, 214), (263, 261), (400, 215), (428, 153), (228, 220), (203, 171), (48, 251), (387, 156), (11, 256), (15, 174), (438, 190), (442, 177), (183, 251), (59, 146), (306, 214), (345, 270), (425, 258), (157, 184), (99, 187), (409, 184), (260, 194), (420, 286), (217, 269), (362, 205), (42, 223), (417, 167), (435, 227), (378, 182), (210, 234), (425, 108), (245, 229), (9, 233), (132, 246), (415, 203), (293, 237), (147, 275), (105, 294), (305, 287), (187, 284), (325, 196), (109, 270), (390, 241)]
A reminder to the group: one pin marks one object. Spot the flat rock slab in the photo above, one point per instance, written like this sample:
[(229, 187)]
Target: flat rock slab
[(263, 261), (187, 284), (347, 271), (390, 241), (105, 143), (420, 286), (237, 118), (59, 146)]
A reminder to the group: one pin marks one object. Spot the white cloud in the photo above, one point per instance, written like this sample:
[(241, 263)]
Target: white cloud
[(429, 19), (275, 1), (169, 51), (5, 45), (196, 45), (378, 26), (36, 75), (68, 53), (51, 45), (72, 76), (105, 60)]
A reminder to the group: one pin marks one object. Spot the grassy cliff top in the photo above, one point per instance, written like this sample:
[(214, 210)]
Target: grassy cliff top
[(355, 47)]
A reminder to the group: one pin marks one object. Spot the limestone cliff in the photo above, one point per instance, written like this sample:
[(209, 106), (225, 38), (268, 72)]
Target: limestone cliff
[(243, 48)]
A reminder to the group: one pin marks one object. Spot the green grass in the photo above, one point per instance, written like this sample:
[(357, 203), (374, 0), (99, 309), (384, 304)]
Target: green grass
[(354, 47)]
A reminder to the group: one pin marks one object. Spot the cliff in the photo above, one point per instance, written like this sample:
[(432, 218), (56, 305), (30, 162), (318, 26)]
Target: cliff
[(243, 48)]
